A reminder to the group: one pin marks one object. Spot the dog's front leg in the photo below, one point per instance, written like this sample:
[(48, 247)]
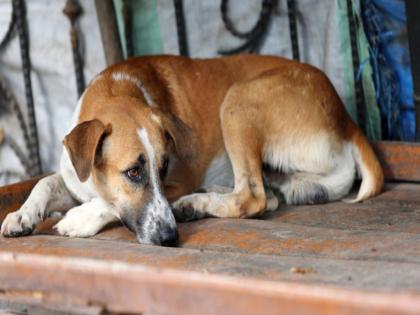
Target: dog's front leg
[(87, 219), (50, 193)]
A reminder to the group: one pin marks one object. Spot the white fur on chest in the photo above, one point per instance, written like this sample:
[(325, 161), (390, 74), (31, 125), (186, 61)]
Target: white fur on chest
[(219, 172)]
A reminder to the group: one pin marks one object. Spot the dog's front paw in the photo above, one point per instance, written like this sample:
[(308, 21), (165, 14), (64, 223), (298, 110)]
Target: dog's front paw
[(77, 223), (185, 209), (17, 223)]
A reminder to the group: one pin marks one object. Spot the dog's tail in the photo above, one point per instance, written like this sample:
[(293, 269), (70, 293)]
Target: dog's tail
[(368, 166)]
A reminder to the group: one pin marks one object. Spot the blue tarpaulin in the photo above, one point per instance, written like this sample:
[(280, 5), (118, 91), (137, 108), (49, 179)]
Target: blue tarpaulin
[(385, 26)]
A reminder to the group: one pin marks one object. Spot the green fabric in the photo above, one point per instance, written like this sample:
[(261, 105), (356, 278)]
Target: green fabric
[(145, 32), (372, 115), (349, 97)]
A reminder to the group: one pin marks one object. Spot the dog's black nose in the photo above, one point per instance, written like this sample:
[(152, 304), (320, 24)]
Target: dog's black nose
[(169, 237)]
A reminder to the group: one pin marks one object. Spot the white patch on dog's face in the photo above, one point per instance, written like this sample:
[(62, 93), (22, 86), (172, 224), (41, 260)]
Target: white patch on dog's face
[(122, 76), (158, 211), (158, 200)]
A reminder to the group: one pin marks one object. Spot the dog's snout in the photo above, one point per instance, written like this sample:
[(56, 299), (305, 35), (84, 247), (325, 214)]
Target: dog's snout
[(169, 236), (166, 236), (160, 231)]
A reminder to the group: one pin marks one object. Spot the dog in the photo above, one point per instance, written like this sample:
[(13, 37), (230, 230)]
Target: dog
[(160, 138)]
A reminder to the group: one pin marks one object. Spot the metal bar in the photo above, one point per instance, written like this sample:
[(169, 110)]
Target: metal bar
[(11, 30), (109, 31), (181, 28), (254, 37), (73, 10), (291, 11), (360, 99), (19, 9), (10, 99), (127, 17), (413, 30)]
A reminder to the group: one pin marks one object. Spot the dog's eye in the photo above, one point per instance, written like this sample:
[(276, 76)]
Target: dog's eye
[(164, 168), (134, 174)]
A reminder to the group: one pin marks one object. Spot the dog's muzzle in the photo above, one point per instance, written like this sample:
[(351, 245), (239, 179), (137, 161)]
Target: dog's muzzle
[(166, 235), (153, 227)]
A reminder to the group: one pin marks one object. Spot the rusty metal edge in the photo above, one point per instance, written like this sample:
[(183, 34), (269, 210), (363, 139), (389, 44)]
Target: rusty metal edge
[(127, 287)]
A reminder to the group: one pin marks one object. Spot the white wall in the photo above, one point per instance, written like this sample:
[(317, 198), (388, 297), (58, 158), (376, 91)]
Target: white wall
[(53, 78)]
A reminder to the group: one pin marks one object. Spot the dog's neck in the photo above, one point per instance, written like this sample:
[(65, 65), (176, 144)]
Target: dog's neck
[(124, 83)]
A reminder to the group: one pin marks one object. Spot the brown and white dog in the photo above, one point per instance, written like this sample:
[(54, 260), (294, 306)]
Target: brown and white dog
[(151, 131)]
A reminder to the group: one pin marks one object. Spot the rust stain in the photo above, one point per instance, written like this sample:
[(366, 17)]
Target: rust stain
[(258, 242)]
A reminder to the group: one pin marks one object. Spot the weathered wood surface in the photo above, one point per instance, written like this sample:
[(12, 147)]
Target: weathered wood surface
[(359, 259), (400, 160)]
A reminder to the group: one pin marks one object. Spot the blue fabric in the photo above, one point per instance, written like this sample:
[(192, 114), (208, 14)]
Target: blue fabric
[(385, 26)]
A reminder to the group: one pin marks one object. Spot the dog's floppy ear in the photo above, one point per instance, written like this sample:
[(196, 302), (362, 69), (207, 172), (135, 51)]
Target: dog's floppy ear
[(82, 143), (183, 136)]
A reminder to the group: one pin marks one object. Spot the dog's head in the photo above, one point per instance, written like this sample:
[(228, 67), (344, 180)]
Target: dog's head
[(126, 152)]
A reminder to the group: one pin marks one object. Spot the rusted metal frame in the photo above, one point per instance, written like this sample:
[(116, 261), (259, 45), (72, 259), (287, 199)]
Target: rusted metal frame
[(11, 30), (126, 287), (22, 29), (109, 31), (9, 102), (291, 12), (413, 30), (73, 10), (256, 35), (181, 28), (127, 16), (229, 25), (358, 84)]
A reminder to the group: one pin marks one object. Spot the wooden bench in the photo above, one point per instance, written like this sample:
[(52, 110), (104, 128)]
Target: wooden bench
[(322, 259)]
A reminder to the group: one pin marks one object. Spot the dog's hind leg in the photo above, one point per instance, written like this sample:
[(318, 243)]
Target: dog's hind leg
[(302, 188), (311, 188), (50, 193), (243, 147)]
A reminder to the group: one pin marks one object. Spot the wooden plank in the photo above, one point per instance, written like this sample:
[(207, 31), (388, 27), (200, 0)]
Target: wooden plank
[(295, 239), (400, 160), (362, 274), (395, 210), (369, 231), (385, 230), (347, 249), (44, 303), (128, 287)]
